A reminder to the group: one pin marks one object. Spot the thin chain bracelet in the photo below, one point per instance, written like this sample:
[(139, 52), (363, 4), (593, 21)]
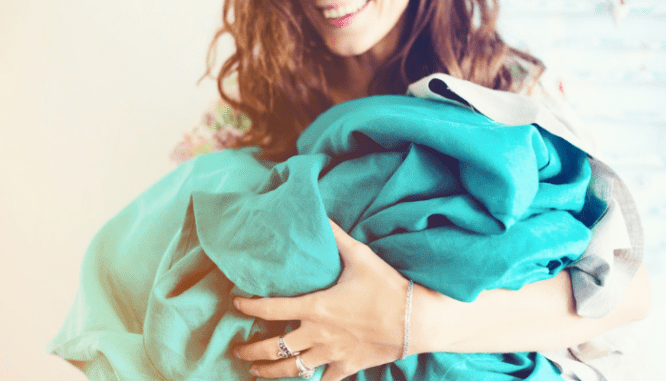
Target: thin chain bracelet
[(408, 313)]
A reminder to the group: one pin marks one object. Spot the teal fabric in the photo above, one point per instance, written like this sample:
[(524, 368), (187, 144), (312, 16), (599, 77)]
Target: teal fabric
[(449, 198)]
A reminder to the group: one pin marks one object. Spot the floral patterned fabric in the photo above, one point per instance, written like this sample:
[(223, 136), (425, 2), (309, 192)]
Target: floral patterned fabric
[(219, 128)]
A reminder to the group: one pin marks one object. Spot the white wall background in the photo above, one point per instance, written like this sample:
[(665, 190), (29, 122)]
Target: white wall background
[(93, 95), (614, 75)]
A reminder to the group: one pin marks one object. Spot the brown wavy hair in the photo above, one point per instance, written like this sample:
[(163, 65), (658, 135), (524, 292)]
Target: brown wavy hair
[(280, 61)]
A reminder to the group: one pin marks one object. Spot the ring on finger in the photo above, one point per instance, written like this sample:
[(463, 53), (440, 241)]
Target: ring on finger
[(304, 371), (283, 349)]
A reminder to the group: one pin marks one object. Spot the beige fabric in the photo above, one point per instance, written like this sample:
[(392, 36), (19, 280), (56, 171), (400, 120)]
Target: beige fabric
[(604, 272)]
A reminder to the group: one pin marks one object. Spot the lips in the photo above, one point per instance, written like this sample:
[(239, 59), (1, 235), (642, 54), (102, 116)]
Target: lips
[(337, 11)]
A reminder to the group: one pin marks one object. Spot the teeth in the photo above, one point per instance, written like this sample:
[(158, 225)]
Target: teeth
[(334, 13)]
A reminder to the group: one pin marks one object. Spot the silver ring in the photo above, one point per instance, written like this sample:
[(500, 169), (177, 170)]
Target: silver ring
[(304, 371), (283, 349)]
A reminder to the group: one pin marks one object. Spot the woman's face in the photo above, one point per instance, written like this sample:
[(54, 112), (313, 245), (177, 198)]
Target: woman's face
[(353, 27)]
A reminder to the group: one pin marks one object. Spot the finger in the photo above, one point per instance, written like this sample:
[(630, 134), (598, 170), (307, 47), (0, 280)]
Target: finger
[(334, 373), (287, 367), (273, 308), (296, 341), (275, 369)]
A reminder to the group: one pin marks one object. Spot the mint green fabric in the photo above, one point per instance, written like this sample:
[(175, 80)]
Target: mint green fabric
[(449, 198)]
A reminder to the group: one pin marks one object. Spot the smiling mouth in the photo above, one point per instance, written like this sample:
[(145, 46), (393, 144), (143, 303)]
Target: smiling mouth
[(336, 12)]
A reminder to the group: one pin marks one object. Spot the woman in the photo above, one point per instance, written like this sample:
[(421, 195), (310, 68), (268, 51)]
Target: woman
[(381, 47), (294, 60)]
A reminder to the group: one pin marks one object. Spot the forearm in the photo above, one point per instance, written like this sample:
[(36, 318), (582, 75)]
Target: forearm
[(539, 317)]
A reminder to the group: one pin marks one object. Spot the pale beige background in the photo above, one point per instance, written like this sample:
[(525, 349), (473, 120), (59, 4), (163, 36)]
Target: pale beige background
[(93, 95)]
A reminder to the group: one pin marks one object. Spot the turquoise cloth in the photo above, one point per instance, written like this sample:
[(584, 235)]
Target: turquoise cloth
[(449, 198)]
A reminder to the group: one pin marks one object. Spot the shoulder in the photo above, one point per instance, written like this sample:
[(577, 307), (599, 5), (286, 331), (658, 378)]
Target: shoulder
[(219, 127), (550, 90), (525, 71), (532, 79)]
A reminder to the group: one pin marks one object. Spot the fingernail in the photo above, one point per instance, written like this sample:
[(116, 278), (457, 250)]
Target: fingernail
[(236, 353), (254, 372), (237, 303)]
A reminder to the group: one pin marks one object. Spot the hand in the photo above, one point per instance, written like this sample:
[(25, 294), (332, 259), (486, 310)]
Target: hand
[(354, 325)]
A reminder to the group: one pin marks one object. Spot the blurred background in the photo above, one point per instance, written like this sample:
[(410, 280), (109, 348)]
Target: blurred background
[(94, 95)]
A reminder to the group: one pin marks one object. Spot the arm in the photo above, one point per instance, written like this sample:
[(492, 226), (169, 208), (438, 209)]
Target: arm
[(358, 323), (539, 317)]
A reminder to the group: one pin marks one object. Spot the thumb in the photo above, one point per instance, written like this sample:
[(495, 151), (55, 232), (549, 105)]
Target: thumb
[(349, 248)]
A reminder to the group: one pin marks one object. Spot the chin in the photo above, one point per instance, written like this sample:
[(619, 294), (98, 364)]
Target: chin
[(348, 49), (347, 52)]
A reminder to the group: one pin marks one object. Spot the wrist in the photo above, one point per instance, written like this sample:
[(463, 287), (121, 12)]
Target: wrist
[(432, 321)]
